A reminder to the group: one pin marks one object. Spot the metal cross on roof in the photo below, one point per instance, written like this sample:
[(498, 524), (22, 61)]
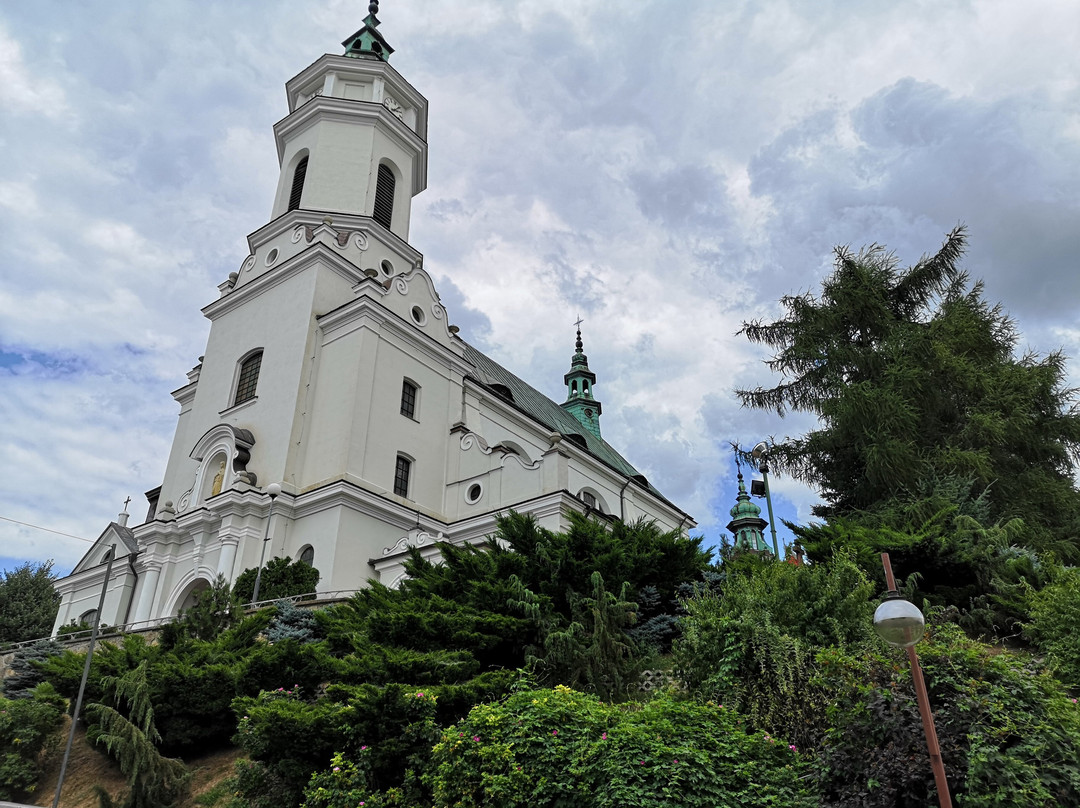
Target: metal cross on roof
[(579, 322)]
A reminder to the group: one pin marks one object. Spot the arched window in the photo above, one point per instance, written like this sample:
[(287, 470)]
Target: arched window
[(307, 556), (299, 173), (401, 476), (248, 378), (88, 617), (384, 196)]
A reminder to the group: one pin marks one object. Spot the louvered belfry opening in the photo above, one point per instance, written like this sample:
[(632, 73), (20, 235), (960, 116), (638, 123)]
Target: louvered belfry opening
[(298, 184), (384, 196)]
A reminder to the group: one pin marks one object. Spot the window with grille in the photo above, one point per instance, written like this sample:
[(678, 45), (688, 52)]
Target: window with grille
[(588, 499), (299, 174), (249, 378), (307, 556), (384, 196), (408, 399), (401, 476)]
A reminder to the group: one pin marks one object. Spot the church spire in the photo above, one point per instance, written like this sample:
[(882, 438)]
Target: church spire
[(368, 43), (746, 522), (579, 384)]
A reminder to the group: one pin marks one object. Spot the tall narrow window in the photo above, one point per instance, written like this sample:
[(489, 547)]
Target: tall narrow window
[(307, 556), (248, 379), (401, 476), (408, 399), (384, 196), (299, 173)]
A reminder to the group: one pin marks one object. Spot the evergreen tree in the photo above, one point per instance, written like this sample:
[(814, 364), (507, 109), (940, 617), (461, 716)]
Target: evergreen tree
[(281, 578), (131, 740), (916, 384), (28, 602)]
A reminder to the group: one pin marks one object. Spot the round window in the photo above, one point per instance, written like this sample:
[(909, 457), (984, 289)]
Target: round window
[(271, 256), (387, 268), (474, 493), (418, 315)]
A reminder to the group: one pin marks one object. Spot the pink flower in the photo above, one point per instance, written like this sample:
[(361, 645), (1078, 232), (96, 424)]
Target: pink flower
[(337, 768), (792, 747), (676, 760), (476, 738), (363, 748), (554, 732), (603, 737)]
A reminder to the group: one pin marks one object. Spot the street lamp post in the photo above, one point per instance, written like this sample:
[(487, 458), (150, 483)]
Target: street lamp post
[(110, 554), (761, 454), (272, 490), (901, 624)]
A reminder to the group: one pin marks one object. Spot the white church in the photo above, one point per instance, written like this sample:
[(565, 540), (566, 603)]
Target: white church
[(336, 414)]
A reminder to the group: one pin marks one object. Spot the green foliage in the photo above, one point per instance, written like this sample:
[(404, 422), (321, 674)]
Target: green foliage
[(981, 572), (562, 748), (593, 651), (214, 610), (751, 644), (290, 622), (1009, 735), (281, 578), (126, 729), (28, 602), (913, 378), (26, 664), (1055, 625), (26, 728)]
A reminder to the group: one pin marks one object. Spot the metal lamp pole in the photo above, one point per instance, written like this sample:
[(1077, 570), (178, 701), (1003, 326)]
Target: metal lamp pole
[(109, 556), (760, 453), (901, 624), (272, 490)]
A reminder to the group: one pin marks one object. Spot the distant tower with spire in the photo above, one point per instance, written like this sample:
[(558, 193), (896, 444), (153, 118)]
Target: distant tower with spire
[(746, 522), (579, 388)]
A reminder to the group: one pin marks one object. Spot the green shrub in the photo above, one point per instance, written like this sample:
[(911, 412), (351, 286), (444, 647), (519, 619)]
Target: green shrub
[(1009, 735), (751, 643), (1055, 618), (26, 728), (26, 667), (568, 749), (281, 578)]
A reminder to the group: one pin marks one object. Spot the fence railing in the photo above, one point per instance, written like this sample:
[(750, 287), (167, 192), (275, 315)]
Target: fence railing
[(73, 638)]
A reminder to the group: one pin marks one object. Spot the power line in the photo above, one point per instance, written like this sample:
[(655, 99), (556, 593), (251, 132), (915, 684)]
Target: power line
[(46, 529)]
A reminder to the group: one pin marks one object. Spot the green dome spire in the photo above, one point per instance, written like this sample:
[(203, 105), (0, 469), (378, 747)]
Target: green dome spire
[(368, 43), (746, 522), (579, 388)]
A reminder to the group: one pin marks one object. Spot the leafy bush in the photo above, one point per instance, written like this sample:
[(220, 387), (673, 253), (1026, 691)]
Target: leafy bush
[(1055, 616), (563, 748), (281, 578), (26, 728), (1009, 735), (751, 643)]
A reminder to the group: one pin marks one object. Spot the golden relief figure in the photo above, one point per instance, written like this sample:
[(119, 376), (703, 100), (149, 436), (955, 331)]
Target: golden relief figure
[(219, 478)]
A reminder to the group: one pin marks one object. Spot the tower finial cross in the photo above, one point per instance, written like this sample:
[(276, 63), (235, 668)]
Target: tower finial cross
[(126, 501), (578, 322)]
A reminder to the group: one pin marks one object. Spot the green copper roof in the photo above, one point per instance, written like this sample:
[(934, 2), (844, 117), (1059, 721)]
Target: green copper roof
[(368, 43), (541, 408), (579, 394), (746, 522)]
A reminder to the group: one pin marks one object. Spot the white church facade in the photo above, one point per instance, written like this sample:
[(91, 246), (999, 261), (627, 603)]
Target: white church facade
[(332, 370)]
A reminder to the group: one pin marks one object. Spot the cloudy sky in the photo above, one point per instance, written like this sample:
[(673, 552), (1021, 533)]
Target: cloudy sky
[(665, 169)]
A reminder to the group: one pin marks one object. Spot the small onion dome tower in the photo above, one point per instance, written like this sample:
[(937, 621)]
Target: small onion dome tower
[(579, 394), (746, 522), (368, 43)]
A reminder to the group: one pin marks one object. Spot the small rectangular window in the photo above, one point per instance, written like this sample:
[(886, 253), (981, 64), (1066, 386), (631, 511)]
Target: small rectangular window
[(408, 399), (249, 378), (401, 476), (588, 499)]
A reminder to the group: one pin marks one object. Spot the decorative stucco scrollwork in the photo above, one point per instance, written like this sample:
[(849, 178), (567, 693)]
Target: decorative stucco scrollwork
[(401, 285), (437, 311), (360, 241), (184, 501), (297, 234), (249, 263), (414, 538), (470, 439)]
